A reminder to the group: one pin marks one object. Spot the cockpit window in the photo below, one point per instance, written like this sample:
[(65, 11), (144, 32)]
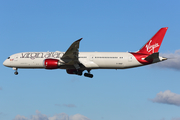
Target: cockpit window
[(8, 58)]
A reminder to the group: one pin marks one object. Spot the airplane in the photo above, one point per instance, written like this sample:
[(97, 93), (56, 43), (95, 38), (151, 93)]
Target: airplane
[(76, 62)]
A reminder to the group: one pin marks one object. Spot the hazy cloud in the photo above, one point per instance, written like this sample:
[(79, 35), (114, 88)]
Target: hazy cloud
[(19, 117), (0, 88), (171, 119), (173, 61), (66, 105), (60, 116), (167, 97), (39, 116), (78, 117), (69, 105), (175, 119), (64, 116)]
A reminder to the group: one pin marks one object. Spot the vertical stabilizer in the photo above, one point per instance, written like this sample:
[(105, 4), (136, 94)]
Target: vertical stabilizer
[(153, 45)]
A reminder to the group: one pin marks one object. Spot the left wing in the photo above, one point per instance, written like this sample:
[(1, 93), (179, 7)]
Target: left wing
[(71, 55)]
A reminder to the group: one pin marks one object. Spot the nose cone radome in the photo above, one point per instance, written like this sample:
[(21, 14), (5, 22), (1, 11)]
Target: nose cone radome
[(6, 63)]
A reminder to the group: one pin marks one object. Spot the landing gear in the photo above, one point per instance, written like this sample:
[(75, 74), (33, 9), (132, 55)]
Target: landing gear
[(79, 72), (88, 74), (16, 72)]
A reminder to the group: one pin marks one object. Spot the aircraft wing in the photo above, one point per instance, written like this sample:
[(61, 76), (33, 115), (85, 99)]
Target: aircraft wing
[(71, 55)]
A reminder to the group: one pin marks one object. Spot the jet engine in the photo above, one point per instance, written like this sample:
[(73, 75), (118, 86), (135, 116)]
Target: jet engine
[(51, 63)]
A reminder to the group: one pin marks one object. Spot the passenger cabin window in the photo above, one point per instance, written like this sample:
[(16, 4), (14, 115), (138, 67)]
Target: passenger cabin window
[(107, 57), (82, 57)]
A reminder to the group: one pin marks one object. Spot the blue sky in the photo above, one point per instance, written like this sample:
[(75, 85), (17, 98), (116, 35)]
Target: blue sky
[(144, 93)]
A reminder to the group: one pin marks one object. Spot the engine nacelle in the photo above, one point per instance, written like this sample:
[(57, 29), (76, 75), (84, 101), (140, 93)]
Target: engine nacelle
[(51, 63)]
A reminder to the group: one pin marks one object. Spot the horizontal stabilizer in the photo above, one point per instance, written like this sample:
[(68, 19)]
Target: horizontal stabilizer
[(152, 56)]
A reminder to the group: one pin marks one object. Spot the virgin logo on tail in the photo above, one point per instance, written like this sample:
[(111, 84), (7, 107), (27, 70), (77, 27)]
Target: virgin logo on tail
[(154, 43), (150, 47)]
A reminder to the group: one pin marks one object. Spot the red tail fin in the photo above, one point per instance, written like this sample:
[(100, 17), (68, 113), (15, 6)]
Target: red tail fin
[(154, 43)]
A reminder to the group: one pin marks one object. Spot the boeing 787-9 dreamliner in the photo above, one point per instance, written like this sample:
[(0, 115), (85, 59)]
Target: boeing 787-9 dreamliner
[(76, 62)]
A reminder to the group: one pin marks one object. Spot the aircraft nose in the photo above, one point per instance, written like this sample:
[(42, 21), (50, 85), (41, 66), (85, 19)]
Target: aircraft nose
[(5, 63)]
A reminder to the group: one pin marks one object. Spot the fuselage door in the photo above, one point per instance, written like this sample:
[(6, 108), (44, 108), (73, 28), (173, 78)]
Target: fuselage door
[(91, 57), (130, 58)]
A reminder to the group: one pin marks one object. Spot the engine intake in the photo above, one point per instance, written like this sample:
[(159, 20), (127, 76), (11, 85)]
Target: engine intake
[(51, 63)]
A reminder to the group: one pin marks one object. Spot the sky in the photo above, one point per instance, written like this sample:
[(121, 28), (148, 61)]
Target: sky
[(144, 93)]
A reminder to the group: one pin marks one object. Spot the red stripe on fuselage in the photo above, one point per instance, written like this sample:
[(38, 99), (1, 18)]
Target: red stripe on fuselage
[(140, 58)]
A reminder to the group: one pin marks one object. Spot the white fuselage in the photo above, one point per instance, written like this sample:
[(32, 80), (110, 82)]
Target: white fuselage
[(90, 60), (76, 62)]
